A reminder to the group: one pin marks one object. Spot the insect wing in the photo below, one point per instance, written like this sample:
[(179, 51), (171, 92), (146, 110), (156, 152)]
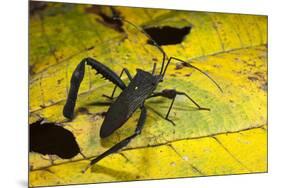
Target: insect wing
[(142, 85)]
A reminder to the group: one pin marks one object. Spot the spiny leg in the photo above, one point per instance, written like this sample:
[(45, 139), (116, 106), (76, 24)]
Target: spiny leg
[(77, 77), (124, 142), (130, 78), (171, 94), (115, 87)]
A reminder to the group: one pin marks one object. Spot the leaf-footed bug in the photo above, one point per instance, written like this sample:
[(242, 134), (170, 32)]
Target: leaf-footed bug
[(141, 87)]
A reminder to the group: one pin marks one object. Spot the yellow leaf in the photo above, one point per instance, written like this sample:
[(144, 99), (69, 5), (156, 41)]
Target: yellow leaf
[(233, 153), (229, 139)]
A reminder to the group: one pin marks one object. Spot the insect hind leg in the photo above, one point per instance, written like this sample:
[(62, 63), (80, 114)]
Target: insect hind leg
[(124, 142), (77, 78), (115, 87)]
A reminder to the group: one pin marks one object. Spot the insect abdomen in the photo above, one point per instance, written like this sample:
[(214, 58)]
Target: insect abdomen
[(131, 98)]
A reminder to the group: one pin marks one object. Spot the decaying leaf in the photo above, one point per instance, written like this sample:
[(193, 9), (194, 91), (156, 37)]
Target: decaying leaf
[(230, 139)]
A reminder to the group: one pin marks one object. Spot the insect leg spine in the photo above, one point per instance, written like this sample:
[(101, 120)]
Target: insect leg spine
[(105, 71)]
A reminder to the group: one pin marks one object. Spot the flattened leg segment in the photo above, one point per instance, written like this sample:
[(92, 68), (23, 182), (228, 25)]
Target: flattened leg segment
[(75, 82), (77, 77), (124, 142)]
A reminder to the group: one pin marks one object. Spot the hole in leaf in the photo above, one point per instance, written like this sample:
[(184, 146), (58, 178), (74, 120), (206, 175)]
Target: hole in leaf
[(167, 35), (51, 139), (107, 20)]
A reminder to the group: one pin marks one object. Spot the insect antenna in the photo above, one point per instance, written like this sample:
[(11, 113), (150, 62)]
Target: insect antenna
[(163, 70), (191, 66), (154, 68), (149, 37)]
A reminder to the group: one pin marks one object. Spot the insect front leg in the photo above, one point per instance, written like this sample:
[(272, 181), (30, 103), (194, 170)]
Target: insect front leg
[(124, 142), (171, 94), (115, 87), (77, 77)]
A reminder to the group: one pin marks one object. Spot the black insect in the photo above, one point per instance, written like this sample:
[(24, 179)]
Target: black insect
[(141, 87), (51, 139)]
